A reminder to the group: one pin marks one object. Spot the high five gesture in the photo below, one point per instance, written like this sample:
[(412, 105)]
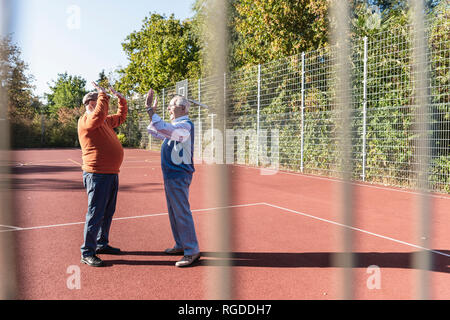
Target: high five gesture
[(117, 94), (151, 108)]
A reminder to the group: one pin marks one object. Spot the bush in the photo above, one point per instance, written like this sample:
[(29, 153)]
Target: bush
[(26, 133), (440, 174), (122, 138), (62, 130)]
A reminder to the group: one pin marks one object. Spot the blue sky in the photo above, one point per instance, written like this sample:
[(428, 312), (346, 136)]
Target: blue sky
[(81, 37)]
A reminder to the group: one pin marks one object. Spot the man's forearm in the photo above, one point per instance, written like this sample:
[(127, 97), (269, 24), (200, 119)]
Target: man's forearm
[(117, 119), (150, 113), (123, 109), (155, 133), (178, 132), (100, 112)]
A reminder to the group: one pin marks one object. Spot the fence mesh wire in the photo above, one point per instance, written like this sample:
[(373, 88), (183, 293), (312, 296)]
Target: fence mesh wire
[(291, 101)]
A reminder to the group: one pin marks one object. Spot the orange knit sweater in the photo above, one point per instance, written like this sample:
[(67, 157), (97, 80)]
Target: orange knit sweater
[(102, 151)]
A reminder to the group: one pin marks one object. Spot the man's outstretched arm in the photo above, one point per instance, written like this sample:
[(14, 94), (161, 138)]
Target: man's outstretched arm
[(117, 119)]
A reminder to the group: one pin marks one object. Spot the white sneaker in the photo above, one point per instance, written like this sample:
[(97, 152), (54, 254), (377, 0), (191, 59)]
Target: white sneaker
[(187, 260)]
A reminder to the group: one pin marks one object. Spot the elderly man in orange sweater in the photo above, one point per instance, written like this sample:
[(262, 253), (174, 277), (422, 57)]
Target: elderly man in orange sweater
[(102, 155)]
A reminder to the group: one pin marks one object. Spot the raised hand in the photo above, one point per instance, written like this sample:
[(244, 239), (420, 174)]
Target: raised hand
[(149, 100), (117, 94), (99, 89), (151, 108)]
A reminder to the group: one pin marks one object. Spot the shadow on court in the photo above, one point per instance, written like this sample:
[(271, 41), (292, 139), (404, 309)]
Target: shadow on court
[(31, 169), (45, 184), (398, 260), (36, 184)]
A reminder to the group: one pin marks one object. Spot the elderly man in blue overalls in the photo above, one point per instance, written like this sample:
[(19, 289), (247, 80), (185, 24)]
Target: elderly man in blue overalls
[(177, 167)]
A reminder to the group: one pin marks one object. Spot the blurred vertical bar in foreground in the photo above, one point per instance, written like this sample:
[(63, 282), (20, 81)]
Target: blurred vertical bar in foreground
[(217, 188), (420, 76), (340, 38), (7, 260)]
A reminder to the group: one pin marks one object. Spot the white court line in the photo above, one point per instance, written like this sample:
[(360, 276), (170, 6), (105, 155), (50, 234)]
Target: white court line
[(76, 162), (357, 229), (367, 184), (11, 227), (45, 163), (247, 205), (126, 218)]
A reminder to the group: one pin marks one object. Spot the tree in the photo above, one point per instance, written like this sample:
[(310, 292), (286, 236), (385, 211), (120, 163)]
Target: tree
[(15, 81), (164, 51), (271, 29), (68, 91), (102, 80)]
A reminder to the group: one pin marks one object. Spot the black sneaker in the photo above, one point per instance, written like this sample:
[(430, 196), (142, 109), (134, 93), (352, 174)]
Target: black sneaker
[(174, 251), (92, 261), (108, 250)]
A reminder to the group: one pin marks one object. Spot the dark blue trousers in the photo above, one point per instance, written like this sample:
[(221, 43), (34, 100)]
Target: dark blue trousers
[(102, 196)]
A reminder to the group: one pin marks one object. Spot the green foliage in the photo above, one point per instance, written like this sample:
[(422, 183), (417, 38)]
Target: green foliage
[(269, 30), (440, 33), (102, 80), (390, 137), (67, 91), (55, 131), (122, 138), (129, 133), (15, 81), (62, 130), (440, 174), (22, 105), (26, 132), (367, 20), (164, 51)]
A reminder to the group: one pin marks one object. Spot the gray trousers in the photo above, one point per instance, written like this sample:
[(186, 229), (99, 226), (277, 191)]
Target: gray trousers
[(180, 215)]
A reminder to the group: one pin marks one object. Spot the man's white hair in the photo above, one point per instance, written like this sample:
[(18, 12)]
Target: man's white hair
[(179, 100)]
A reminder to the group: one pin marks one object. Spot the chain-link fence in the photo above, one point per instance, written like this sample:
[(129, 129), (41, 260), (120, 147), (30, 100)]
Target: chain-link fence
[(285, 111)]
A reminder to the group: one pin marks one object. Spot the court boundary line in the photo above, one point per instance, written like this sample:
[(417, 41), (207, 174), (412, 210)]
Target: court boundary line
[(8, 226), (355, 183), (14, 228), (76, 162), (126, 218), (358, 229)]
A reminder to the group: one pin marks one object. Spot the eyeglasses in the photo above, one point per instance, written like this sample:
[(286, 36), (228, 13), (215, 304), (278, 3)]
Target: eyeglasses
[(174, 105)]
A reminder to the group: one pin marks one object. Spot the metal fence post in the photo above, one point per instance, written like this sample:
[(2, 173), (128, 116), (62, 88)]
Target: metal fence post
[(200, 135), (257, 114), (8, 266), (302, 114), (163, 103), (422, 260), (42, 128), (212, 115), (340, 12), (224, 113), (364, 133)]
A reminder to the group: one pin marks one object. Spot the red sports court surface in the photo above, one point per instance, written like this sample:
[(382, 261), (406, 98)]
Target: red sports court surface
[(286, 231)]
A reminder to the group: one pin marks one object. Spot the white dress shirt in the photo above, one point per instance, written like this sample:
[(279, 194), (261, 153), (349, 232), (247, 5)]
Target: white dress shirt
[(178, 130)]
